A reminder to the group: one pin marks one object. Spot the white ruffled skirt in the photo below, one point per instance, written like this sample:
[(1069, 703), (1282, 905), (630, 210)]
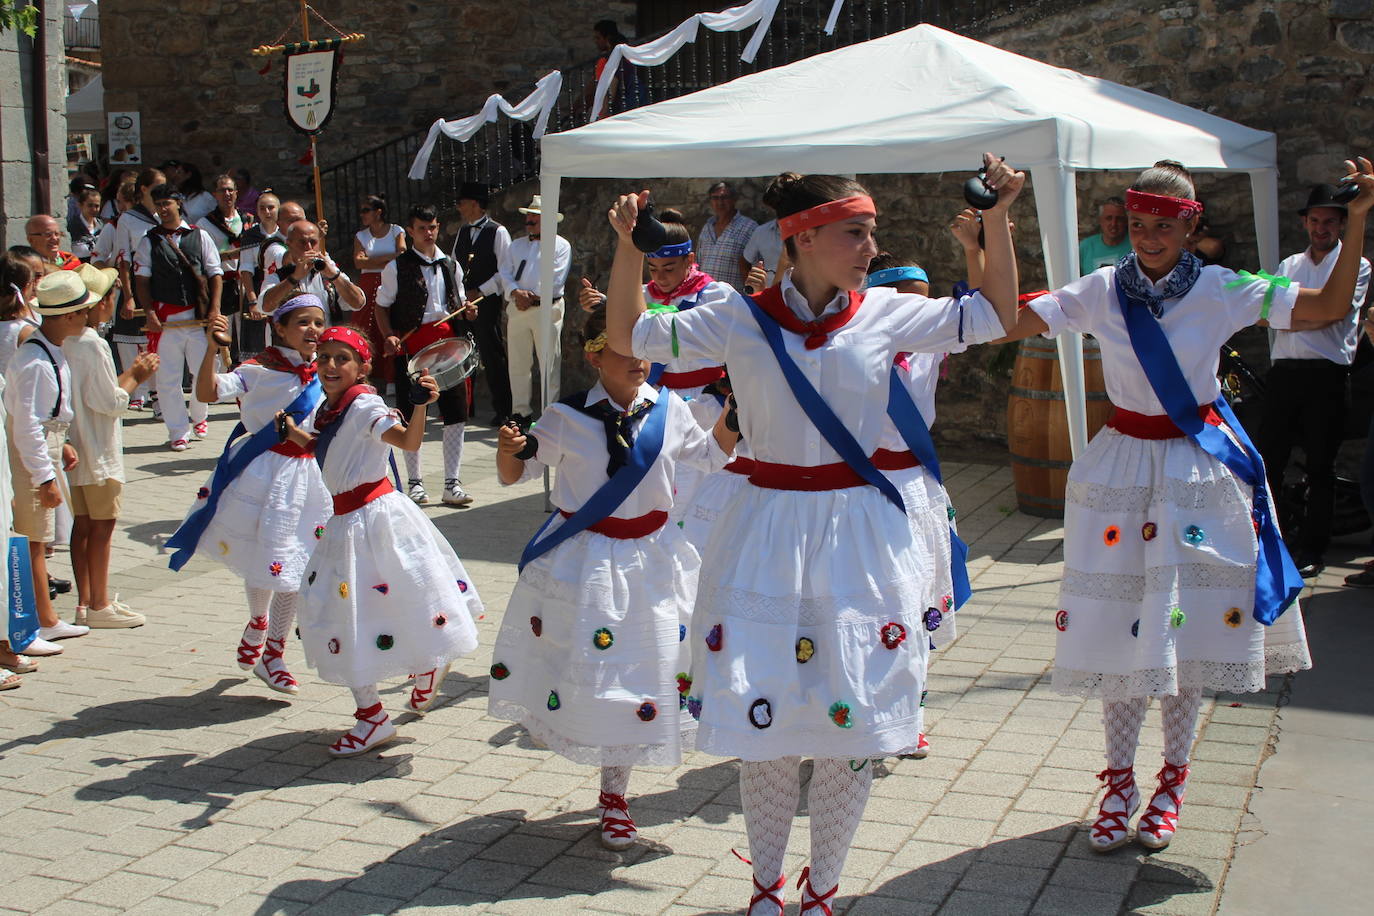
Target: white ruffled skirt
[(268, 521), (385, 596), (592, 656), (1159, 577)]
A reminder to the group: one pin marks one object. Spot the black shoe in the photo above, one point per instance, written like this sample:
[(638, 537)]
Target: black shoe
[(1362, 579), (61, 586), (1309, 567)]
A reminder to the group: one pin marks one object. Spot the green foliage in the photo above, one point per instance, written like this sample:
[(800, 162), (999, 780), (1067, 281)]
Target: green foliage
[(24, 19)]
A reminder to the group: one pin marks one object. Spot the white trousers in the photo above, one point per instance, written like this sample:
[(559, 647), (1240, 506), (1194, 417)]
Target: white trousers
[(525, 339), (127, 353), (178, 348)]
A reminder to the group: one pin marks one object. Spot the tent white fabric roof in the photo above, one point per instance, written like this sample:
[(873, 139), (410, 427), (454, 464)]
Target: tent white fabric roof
[(923, 100), (86, 108)]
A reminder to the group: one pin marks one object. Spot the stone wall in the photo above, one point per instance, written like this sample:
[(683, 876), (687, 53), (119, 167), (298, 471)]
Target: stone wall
[(17, 192), (185, 65)]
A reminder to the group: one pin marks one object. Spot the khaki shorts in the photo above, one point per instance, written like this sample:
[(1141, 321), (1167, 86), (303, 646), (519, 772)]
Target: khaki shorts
[(100, 501), (31, 519)]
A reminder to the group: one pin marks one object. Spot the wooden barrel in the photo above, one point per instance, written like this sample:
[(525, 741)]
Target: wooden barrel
[(1038, 427)]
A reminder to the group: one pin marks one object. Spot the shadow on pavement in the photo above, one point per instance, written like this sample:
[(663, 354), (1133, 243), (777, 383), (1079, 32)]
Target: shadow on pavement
[(456, 847), (1340, 630), (210, 706)]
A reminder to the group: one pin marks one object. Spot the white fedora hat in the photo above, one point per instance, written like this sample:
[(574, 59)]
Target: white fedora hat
[(535, 207)]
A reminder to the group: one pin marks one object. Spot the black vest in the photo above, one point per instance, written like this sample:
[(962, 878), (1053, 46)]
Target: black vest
[(412, 290), (477, 257), (171, 282)]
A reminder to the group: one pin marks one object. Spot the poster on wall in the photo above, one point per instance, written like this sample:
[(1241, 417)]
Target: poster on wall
[(125, 136), (309, 87)]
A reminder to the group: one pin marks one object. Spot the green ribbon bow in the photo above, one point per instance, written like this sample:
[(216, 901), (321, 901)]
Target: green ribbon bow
[(1243, 277)]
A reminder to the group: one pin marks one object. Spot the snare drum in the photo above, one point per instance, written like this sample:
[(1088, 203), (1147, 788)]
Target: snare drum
[(449, 361)]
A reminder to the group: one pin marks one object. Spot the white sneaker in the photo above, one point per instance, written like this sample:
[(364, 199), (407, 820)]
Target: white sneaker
[(201, 429), (180, 445), (455, 495), (41, 646), (113, 617), (62, 630), (417, 493)]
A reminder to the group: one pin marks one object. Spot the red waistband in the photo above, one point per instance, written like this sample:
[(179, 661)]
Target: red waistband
[(1155, 426), (164, 310), (626, 528), (356, 498), (835, 476), (292, 450), (743, 466), (427, 334), (694, 379)]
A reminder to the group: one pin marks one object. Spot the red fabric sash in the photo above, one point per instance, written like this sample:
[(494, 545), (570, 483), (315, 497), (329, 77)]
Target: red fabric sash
[(427, 334), (695, 379), (356, 498), (625, 529), (818, 332), (743, 466), (837, 476), (274, 359), (165, 310), (695, 281), (1155, 426), (292, 450)]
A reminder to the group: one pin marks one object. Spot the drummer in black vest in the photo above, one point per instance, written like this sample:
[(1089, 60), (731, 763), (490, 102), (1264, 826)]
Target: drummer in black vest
[(480, 245), (420, 288)]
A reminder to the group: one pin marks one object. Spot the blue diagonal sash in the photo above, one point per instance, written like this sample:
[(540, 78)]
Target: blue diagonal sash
[(819, 412), (906, 416), (228, 468), (603, 503), (1277, 582)]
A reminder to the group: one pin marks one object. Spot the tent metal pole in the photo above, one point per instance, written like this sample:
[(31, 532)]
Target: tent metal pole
[(1264, 188), (1056, 202), (549, 369)]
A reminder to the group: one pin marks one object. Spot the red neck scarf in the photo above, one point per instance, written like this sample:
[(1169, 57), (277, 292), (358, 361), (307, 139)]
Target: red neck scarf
[(816, 332), (695, 281), (329, 414), (274, 359)]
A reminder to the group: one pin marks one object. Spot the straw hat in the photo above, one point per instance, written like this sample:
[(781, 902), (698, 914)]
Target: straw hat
[(535, 207), (99, 280), (63, 291)]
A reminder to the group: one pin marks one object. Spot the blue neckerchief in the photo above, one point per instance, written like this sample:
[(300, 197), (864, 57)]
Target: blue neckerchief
[(1277, 582), (906, 416), (607, 498), (1176, 285), (228, 468), (819, 412)]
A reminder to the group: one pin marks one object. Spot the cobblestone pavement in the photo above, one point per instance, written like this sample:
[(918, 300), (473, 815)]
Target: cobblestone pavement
[(141, 771)]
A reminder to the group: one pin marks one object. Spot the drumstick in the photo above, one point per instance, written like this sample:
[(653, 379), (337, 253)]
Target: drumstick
[(452, 314)]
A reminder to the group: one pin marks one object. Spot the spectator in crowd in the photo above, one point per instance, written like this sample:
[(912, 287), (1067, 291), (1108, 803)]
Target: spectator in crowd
[(1308, 385), (129, 333), (420, 289), (626, 90), (1109, 245), (99, 398), (80, 182), (19, 276), (169, 265), (1206, 244), (481, 244), (38, 400), (109, 192), (1365, 577), (84, 231), (45, 237), (254, 242), (765, 243), (519, 280), (102, 253), (375, 245), (304, 266), (248, 195), (225, 226), (720, 245), (186, 176)]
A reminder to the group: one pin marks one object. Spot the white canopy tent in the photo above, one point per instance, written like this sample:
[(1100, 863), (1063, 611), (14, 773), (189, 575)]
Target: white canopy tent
[(86, 108), (921, 100)]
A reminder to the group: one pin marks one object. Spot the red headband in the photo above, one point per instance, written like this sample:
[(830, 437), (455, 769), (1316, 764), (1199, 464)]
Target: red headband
[(348, 336), (1162, 205), (826, 213)]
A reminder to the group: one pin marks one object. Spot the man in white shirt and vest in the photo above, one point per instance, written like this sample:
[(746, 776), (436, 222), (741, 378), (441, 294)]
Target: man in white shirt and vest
[(1308, 386), (518, 280), (481, 244), (420, 289)]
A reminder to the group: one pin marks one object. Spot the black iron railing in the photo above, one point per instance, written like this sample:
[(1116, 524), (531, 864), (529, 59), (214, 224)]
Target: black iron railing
[(504, 153), (83, 33)]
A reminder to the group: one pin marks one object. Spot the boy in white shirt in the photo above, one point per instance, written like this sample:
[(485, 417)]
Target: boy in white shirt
[(99, 399)]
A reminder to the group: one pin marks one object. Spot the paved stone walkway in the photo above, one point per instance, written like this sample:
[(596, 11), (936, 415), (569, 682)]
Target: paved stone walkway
[(140, 771)]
